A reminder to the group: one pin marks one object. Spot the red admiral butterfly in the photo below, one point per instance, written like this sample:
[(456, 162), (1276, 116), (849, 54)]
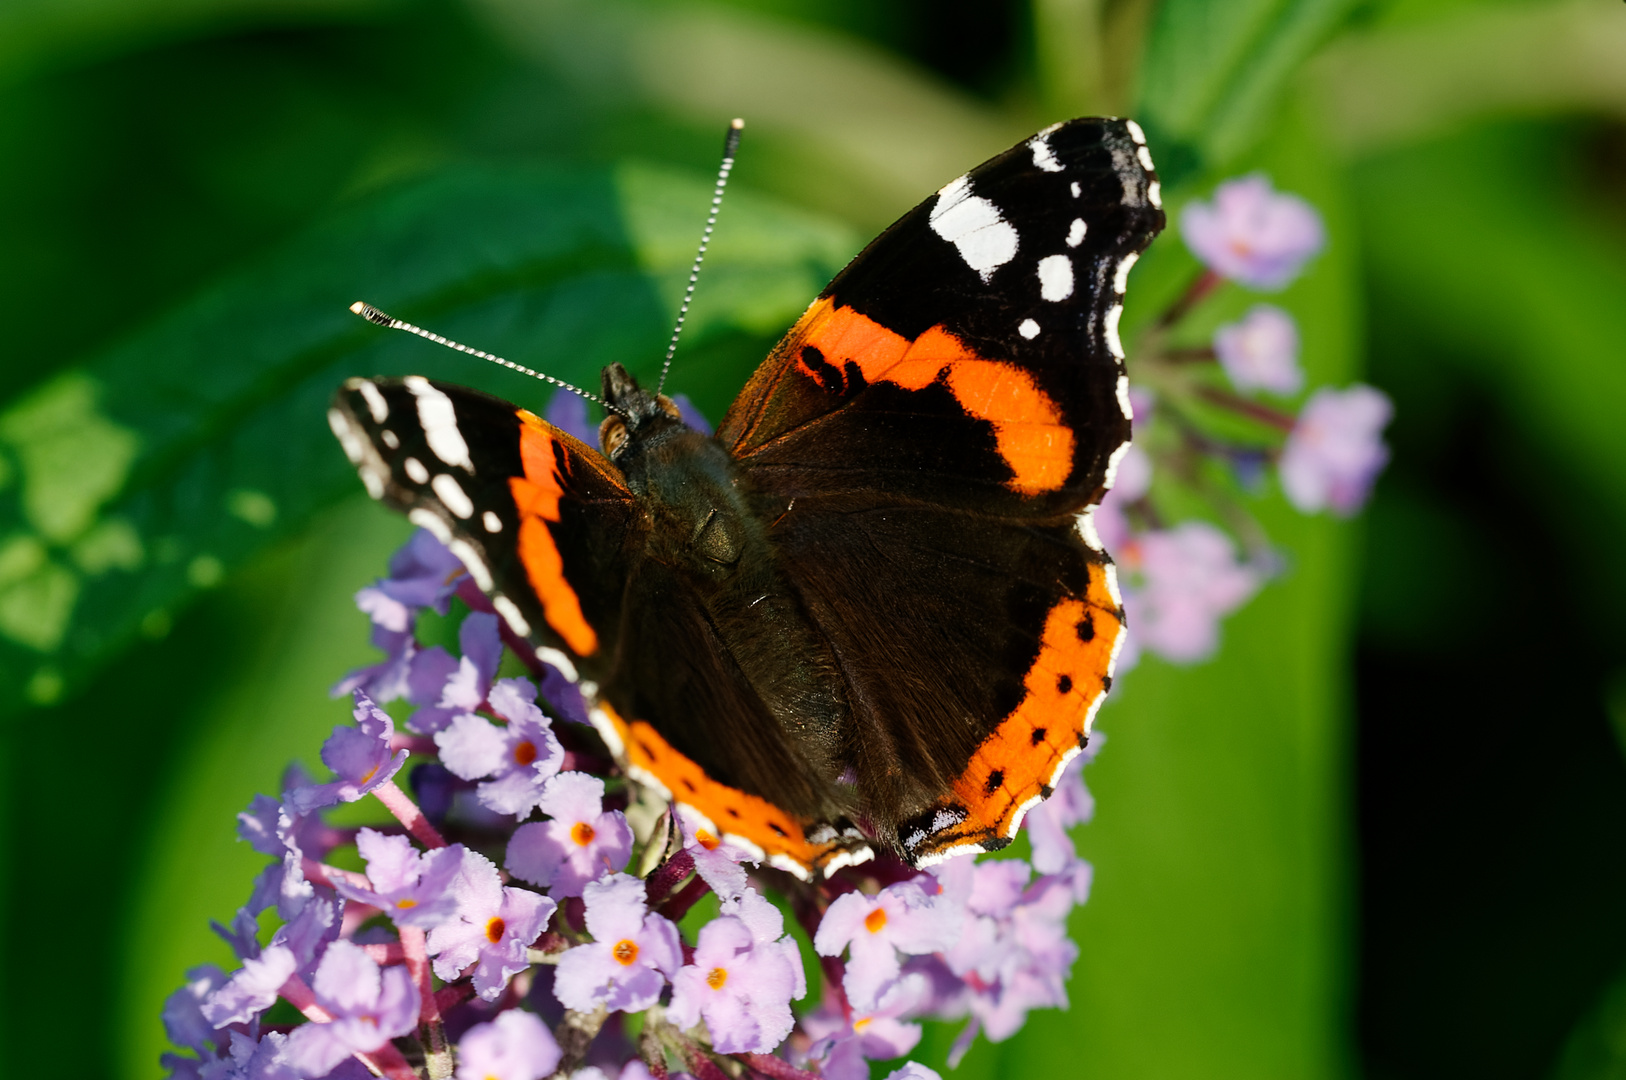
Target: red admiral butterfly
[(873, 604)]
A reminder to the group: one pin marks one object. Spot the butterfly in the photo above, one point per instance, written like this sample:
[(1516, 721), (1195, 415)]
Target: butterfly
[(871, 610)]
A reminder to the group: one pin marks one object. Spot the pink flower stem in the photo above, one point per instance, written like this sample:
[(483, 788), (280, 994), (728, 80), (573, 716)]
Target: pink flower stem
[(386, 1060), (323, 874), (776, 1068), (1205, 283), (1251, 409), (406, 811), (700, 1063), (456, 994), (437, 1057), (667, 876), (385, 954), (685, 898)]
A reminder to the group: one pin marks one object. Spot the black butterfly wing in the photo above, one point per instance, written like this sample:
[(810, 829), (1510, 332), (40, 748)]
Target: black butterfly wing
[(543, 523), (969, 356), (927, 440)]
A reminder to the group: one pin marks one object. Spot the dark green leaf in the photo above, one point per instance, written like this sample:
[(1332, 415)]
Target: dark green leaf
[(135, 480)]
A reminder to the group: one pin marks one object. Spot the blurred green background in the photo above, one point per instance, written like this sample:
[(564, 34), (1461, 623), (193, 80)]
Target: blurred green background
[(1381, 835)]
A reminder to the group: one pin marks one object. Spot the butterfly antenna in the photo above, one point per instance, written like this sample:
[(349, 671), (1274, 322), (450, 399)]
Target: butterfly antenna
[(390, 322), (731, 143)]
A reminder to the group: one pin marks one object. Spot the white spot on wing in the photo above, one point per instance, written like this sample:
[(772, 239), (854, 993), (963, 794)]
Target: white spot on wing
[(1043, 156), (1029, 329), (1075, 232), (387, 437), (1109, 327), (984, 239), (567, 667), (1113, 462), (1154, 194), (373, 482), (471, 562), (428, 519), (1112, 591), (510, 613), (1145, 156), (375, 401), (1123, 399), (1055, 277), (842, 859), (351, 442), (439, 420), (790, 866), (605, 727), (1135, 132), (415, 471), (1086, 529), (451, 493), (1120, 280), (492, 522)]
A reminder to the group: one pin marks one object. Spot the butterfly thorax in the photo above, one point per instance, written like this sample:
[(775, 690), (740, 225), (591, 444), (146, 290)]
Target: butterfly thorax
[(715, 547)]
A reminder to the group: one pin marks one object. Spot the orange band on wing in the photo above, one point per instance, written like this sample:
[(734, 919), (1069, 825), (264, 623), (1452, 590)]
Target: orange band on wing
[(1018, 762), (733, 811), (1028, 428), (537, 496)]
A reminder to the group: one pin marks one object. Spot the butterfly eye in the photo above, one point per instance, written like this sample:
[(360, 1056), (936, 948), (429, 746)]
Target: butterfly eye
[(668, 406), (612, 435)]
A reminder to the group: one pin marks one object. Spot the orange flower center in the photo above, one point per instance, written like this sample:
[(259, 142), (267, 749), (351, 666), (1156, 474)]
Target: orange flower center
[(525, 752), (625, 952), (875, 920), (494, 930), (582, 833), (716, 978), (406, 905), (706, 840)]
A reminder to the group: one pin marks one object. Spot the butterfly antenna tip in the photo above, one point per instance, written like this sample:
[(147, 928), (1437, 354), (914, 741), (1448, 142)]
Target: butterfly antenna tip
[(731, 144)]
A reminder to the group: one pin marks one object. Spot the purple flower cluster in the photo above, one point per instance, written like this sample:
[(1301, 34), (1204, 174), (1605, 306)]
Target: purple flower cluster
[(1180, 579), (495, 932)]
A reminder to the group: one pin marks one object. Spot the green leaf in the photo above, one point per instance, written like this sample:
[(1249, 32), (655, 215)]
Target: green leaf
[(1213, 74), (150, 472)]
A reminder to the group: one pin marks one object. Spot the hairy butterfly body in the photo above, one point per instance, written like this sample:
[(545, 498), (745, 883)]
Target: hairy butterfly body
[(872, 606)]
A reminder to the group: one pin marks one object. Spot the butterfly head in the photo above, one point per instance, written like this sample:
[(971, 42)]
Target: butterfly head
[(635, 415)]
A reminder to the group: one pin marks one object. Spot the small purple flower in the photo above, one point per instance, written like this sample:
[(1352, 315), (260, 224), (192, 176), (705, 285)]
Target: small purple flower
[(422, 574), (1133, 481), (360, 756), (1336, 449), (252, 988), (184, 1021), (691, 415), (514, 1046), (493, 927), (581, 843), (716, 858), (1190, 578), (445, 687), (633, 953), (519, 758), (568, 412), (844, 1045), (369, 1007), (1252, 233), (914, 1070), (900, 918), (1261, 351), (412, 887), (741, 981), (1069, 804)]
